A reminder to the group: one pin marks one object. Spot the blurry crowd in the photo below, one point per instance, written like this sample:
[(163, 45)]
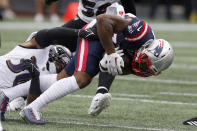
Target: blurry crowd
[(7, 12), (189, 6)]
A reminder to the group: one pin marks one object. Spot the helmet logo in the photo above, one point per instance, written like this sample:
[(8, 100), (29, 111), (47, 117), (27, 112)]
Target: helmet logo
[(158, 49), (130, 29), (136, 24)]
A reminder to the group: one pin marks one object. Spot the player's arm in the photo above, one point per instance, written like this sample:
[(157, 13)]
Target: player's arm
[(46, 37), (107, 25), (34, 90)]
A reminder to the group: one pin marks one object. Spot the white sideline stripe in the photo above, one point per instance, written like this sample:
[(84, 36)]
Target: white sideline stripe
[(181, 66), (183, 44), (111, 126), (150, 80), (104, 125), (130, 95), (177, 94), (140, 100), (156, 26)]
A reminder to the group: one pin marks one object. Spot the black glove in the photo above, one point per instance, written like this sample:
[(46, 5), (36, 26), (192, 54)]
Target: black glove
[(31, 67), (89, 34), (48, 2)]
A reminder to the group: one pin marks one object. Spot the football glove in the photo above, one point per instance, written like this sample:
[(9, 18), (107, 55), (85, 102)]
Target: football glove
[(88, 34), (113, 62), (31, 67), (103, 62)]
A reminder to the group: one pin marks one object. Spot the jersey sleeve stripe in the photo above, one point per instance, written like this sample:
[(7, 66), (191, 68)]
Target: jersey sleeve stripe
[(139, 36)]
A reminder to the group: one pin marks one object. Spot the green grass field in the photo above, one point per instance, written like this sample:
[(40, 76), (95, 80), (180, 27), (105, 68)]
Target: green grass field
[(159, 103)]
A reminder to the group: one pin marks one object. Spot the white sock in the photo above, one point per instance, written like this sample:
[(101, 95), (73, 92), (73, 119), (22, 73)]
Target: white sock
[(59, 89), (46, 81), (17, 91), (23, 89)]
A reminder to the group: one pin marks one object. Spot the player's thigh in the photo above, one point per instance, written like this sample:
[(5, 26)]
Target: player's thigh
[(88, 56), (85, 63)]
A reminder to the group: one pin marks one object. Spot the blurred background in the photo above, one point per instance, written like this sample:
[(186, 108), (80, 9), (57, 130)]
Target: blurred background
[(149, 9)]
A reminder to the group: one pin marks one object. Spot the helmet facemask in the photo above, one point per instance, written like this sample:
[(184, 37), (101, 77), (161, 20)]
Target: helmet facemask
[(141, 64), (59, 57)]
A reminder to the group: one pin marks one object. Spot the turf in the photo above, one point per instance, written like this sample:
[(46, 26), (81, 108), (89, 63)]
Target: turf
[(159, 103)]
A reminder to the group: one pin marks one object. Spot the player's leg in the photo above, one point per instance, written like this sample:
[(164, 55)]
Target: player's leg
[(10, 94), (86, 65), (102, 99)]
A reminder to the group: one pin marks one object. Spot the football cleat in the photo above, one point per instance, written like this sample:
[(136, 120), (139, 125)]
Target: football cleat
[(192, 121), (4, 102), (99, 103), (31, 116), (16, 104)]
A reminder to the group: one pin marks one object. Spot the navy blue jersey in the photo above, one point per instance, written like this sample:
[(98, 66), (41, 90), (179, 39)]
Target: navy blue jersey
[(136, 34), (89, 53)]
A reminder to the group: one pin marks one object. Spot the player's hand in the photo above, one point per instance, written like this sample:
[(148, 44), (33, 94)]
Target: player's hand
[(31, 67), (88, 34), (48, 2), (119, 51), (103, 63), (114, 63)]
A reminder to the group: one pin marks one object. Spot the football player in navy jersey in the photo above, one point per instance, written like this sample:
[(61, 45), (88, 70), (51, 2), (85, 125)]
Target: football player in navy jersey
[(87, 11), (146, 56)]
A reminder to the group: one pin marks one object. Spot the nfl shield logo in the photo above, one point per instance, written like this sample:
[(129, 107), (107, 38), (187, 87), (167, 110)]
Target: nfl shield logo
[(130, 29), (136, 24)]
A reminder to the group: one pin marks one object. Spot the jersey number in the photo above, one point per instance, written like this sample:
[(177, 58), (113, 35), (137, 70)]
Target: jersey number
[(17, 68), (88, 5)]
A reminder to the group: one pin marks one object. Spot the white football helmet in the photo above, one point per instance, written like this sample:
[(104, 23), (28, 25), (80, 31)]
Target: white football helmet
[(59, 57), (153, 58)]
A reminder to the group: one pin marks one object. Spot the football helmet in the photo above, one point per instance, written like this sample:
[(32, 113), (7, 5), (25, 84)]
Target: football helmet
[(152, 58), (59, 57)]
